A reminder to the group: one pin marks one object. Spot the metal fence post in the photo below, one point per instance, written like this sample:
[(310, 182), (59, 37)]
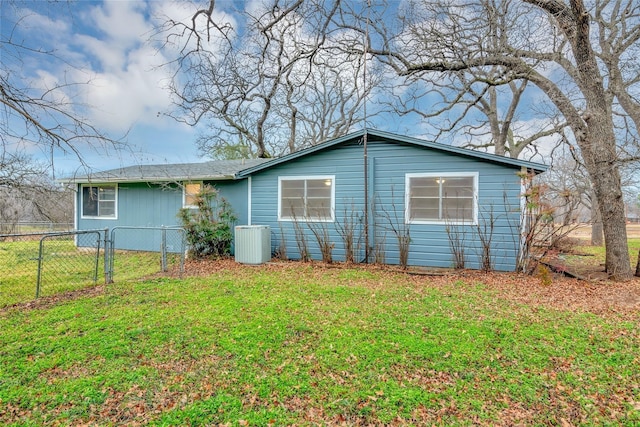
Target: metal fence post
[(95, 270), (163, 250), (107, 257), (40, 252), (112, 248), (183, 249)]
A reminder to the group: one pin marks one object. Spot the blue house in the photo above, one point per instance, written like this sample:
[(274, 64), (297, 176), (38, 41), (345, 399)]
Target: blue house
[(383, 189)]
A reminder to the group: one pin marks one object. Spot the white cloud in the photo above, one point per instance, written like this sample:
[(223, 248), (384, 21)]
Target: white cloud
[(106, 48), (38, 24), (133, 95), (123, 22), (126, 78)]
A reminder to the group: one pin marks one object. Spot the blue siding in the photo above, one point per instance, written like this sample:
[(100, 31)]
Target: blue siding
[(140, 205), (235, 192), (345, 162), (388, 164), (156, 205), (153, 205)]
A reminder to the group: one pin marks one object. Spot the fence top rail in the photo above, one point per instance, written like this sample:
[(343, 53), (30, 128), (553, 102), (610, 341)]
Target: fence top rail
[(52, 233), (28, 223), (162, 227)]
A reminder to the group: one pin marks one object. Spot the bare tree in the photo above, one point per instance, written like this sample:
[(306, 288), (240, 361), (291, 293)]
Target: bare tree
[(589, 73), (570, 190), (481, 107), (36, 112), (37, 118), (28, 194), (269, 85)]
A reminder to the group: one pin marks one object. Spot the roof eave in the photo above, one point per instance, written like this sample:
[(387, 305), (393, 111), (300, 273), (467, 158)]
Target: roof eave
[(508, 161), (88, 180)]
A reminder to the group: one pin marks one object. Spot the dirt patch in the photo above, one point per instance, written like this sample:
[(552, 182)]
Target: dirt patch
[(50, 301)]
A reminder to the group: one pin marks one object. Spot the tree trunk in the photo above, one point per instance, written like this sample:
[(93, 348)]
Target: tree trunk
[(600, 160), (597, 233), (598, 145), (597, 238)]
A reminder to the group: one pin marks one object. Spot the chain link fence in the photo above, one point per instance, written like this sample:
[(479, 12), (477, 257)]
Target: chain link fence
[(44, 264), (144, 251), (68, 261)]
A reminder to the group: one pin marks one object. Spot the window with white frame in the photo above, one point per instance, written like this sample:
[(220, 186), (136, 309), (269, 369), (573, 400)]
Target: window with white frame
[(309, 198), (441, 198), (99, 201), (190, 191)]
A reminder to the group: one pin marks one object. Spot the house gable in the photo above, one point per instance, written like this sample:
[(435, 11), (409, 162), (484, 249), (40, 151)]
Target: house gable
[(374, 136)]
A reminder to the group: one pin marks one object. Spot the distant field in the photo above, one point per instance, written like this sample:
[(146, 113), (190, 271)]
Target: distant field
[(584, 231)]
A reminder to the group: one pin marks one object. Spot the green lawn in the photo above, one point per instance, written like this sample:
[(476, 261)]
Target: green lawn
[(599, 251), (302, 345), (597, 255)]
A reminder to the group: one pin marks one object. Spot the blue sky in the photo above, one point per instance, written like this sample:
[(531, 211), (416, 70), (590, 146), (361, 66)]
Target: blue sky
[(109, 44), (106, 44)]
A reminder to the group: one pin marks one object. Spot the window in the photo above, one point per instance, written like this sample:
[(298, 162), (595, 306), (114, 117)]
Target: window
[(99, 201), (190, 193), (306, 198), (441, 198)]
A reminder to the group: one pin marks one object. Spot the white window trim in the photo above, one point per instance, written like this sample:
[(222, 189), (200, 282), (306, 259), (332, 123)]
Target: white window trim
[(407, 190), (115, 207), (307, 177), (184, 193)]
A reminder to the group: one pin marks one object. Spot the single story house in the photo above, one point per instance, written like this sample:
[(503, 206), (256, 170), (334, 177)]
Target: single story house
[(377, 184)]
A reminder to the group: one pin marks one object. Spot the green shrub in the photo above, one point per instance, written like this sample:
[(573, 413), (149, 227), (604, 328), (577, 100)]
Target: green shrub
[(209, 226)]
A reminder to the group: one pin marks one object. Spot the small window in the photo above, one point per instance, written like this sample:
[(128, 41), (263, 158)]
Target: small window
[(441, 198), (306, 198), (190, 194), (99, 201)]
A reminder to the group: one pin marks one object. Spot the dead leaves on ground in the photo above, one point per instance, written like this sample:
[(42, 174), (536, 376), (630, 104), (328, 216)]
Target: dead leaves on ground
[(615, 300), (603, 298)]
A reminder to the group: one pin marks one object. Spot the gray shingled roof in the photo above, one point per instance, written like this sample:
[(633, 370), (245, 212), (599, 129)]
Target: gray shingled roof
[(216, 169), (234, 169)]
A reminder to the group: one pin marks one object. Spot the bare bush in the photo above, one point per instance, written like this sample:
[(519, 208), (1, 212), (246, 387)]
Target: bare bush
[(378, 250), (301, 240), (281, 251), (457, 242), (321, 233), (540, 233), (346, 228), (399, 228), (485, 229)]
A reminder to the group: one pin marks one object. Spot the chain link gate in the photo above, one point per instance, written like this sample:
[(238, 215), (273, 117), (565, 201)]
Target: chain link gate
[(51, 263), (54, 263), (146, 248), (69, 260)]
